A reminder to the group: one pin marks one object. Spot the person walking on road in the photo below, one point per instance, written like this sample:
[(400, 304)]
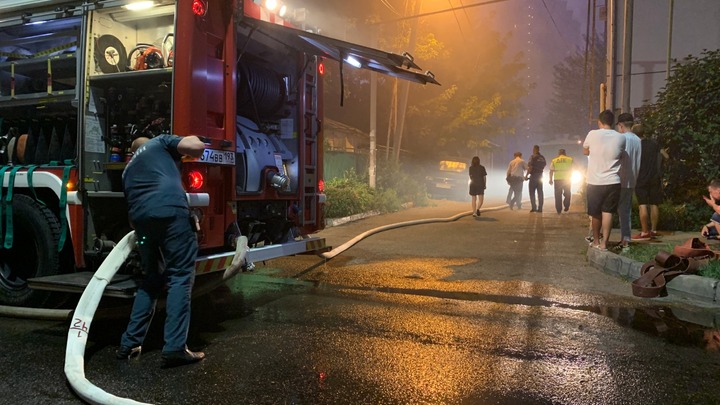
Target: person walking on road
[(536, 165), (159, 213), (561, 174), (604, 148), (629, 169), (478, 177), (648, 188), (514, 177)]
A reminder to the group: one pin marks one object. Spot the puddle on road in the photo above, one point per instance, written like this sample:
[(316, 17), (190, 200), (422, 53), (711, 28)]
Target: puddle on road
[(678, 327), (661, 322)]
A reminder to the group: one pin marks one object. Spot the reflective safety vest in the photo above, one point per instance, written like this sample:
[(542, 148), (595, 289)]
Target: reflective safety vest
[(562, 166)]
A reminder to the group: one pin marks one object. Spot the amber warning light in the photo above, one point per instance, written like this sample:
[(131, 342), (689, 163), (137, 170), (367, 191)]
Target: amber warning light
[(195, 180), (199, 7)]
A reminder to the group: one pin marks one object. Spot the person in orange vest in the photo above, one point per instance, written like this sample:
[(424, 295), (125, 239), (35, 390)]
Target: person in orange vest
[(561, 174)]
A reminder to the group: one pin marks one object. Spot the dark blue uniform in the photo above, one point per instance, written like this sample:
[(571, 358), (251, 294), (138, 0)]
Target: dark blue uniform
[(536, 164), (159, 213)]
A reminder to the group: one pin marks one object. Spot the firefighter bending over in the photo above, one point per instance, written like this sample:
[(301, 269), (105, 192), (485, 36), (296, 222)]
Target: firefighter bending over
[(159, 213)]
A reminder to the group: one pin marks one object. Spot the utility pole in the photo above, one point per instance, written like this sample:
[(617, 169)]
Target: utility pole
[(669, 46), (611, 33), (627, 55), (372, 155), (405, 89)]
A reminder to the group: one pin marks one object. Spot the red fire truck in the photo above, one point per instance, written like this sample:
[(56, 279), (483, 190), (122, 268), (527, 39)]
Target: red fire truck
[(79, 80)]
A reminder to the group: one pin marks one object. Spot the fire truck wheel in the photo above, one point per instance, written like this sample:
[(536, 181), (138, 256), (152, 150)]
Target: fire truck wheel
[(36, 231)]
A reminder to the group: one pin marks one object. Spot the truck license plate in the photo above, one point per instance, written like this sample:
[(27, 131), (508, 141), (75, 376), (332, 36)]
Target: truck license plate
[(218, 157)]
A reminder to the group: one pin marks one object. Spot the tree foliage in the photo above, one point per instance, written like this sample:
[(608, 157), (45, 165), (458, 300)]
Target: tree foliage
[(481, 92), (479, 100), (573, 107), (686, 120)]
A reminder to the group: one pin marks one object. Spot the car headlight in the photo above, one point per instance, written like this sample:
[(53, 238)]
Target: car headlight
[(576, 177)]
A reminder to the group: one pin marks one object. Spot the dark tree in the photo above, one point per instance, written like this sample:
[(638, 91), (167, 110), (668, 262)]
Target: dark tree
[(686, 121), (574, 103)]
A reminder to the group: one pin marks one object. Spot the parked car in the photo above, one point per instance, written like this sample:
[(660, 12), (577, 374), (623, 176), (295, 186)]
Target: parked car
[(449, 181)]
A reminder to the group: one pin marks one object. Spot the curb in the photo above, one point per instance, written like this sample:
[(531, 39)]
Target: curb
[(344, 220), (339, 221), (691, 287)]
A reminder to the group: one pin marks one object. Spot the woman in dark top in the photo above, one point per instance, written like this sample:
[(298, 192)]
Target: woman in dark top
[(478, 175)]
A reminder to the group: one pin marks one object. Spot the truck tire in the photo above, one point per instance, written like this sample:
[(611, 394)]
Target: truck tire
[(34, 253)]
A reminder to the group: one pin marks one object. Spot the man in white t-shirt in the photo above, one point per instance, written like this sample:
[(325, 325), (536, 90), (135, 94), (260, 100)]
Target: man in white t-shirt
[(629, 169), (604, 148)]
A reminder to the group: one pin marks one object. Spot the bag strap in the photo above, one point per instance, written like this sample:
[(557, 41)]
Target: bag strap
[(63, 204), (2, 200), (9, 210)]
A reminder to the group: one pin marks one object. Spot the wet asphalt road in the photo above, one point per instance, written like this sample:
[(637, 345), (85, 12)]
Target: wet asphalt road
[(498, 310)]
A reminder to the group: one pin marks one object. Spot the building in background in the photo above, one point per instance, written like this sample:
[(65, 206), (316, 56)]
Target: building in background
[(694, 27)]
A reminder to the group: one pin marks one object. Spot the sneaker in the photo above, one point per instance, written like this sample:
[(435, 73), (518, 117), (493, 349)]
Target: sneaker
[(181, 358), (477, 213), (589, 239), (566, 209), (654, 234), (620, 248), (641, 236), (126, 353)]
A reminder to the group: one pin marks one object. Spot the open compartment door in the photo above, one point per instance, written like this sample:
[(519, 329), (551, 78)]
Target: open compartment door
[(392, 64)]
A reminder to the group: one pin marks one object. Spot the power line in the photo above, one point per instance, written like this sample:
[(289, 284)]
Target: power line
[(390, 7), (457, 20), (554, 23), (439, 12)]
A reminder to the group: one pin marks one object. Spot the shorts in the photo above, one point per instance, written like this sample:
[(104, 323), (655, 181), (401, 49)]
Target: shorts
[(477, 188), (649, 194), (602, 198)]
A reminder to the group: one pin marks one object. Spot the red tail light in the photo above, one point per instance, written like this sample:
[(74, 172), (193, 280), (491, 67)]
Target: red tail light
[(321, 68), (321, 186), (195, 180), (199, 7)]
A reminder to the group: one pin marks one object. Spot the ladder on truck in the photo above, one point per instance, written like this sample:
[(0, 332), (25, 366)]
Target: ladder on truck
[(309, 147)]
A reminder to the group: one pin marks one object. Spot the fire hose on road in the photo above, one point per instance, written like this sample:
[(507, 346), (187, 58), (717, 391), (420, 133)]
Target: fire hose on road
[(80, 326), (83, 314), (347, 245), (85, 310)]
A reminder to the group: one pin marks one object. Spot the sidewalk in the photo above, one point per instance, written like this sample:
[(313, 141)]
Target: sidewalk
[(691, 287)]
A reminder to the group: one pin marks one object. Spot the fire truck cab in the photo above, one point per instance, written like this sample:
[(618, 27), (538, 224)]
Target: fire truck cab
[(80, 80)]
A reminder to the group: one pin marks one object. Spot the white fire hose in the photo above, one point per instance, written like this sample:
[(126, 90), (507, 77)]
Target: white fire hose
[(347, 245), (80, 326), (83, 316)]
